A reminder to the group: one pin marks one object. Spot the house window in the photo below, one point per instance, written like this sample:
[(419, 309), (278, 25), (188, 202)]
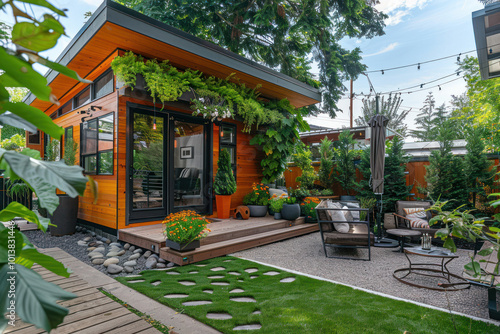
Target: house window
[(83, 97), (103, 85), (68, 134), (228, 141), (96, 145), (34, 138), (66, 108)]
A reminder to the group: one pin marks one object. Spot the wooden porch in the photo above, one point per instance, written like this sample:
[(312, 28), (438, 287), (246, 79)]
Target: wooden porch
[(227, 236)]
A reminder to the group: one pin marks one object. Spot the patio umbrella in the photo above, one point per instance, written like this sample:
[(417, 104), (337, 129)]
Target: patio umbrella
[(377, 151)]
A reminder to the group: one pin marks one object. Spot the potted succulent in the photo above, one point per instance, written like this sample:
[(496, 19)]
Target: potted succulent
[(257, 200), (276, 204), (184, 229), (307, 208), (65, 216), (291, 209), (224, 185)]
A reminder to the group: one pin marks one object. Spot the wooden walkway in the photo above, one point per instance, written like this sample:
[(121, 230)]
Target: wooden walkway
[(91, 312)]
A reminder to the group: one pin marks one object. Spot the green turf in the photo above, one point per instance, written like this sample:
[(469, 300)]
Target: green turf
[(306, 305)]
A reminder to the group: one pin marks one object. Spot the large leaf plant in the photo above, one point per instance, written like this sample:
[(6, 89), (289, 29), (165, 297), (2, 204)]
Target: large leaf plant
[(22, 290)]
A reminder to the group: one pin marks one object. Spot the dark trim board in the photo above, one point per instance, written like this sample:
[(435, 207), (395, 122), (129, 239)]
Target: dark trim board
[(105, 229)]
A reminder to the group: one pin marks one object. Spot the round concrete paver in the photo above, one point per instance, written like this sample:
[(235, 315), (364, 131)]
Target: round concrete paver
[(187, 283), (247, 327), (236, 291), (271, 273), (219, 316), (208, 291), (176, 295), (251, 270), (197, 302), (220, 283), (218, 269), (287, 280), (216, 276), (243, 299)]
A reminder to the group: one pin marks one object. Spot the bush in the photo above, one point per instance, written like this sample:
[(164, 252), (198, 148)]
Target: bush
[(308, 205), (258, 196), (302, 158), (224, 183), (185, 226), (276, 202)]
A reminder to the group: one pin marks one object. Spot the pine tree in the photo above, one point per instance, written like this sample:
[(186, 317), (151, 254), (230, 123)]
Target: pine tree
[(326, 163), (425, 119), (345, 171), (363, 187)]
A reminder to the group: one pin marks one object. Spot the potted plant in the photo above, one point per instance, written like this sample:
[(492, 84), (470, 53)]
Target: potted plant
[(65, 216), (184, 229), (307, 208), (224, 185), (257, 200), (276, 203), (291, 209)]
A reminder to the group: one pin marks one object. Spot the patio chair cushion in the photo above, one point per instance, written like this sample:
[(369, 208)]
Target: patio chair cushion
[(409, 211), (352, 205), (348, 239), (337, 215), (417, 220), (347, 214)]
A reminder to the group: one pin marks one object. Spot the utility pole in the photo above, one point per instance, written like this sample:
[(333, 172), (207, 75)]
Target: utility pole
[(352, 97)]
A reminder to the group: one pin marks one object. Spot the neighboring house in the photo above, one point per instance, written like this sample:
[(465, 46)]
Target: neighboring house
[(106, 121)]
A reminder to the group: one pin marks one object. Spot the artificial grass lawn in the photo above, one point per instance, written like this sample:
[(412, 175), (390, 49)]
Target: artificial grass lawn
[(305, 305)]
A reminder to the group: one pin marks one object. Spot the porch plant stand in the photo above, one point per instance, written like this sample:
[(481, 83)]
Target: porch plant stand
[(224, 185)]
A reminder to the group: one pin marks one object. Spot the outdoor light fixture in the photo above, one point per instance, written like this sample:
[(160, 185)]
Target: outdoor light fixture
[(486, 24)]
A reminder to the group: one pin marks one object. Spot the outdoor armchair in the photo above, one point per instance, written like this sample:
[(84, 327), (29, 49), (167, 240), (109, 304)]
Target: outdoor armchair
[(413, 215)]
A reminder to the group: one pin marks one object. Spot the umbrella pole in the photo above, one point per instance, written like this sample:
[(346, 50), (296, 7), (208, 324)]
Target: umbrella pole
[(379, 219)]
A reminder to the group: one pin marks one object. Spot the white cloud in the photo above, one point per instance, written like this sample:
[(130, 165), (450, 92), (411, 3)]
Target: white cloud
[(388, 48), (397, 9)]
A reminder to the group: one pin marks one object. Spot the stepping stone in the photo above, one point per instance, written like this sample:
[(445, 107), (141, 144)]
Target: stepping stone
[(271, 273), (240, 280), (197, 302), (176, 295), (236, 291), (208, 291), (287, 280), (134, 276), (257, 312), (234, 273), (218, 269), (251, 270), (220, 283), (172, 273), (187, 283), (200, 265), (252, 277), (243, 299), (136, 281), (219, 316), (247, 327), (216, 276), (193, 272), (155, 283), (228, 260)]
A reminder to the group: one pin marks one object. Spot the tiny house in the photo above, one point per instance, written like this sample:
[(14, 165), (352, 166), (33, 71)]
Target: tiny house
[(152, 159)]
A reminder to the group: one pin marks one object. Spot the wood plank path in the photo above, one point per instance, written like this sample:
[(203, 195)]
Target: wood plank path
[(91, 312)]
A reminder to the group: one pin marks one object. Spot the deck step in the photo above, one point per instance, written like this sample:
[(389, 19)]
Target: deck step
[(222, 248)]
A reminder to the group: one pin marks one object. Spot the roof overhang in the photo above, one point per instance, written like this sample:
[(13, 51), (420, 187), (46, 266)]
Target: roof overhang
[(113, 26), (486, 24)]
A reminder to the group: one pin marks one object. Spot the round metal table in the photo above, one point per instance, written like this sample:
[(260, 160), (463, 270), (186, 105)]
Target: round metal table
[(425, 269), (402, 233)]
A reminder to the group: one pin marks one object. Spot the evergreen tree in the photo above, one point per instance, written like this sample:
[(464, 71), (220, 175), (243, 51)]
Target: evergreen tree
[(326, 163), (425, 119), (477, 167), (345, 171), (364, 188), (389, 108), (224, 182)]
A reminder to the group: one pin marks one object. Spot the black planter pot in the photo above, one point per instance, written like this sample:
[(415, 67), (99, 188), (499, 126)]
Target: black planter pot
[(65, 216), (290, 211), (257, 210), (183, 247)]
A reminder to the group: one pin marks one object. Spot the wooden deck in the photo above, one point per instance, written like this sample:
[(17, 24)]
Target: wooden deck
[(91, 312), (227, 236)]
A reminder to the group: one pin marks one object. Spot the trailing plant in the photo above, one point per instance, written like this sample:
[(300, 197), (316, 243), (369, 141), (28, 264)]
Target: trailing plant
[(326, 163), (302, 158), (224, 183), (258, 196), (308, 205), (185, 226), (127, 67), (344, 153), (70, 152)]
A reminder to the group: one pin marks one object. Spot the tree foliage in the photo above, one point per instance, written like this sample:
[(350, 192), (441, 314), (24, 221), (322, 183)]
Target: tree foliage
[(303, 159), (280, 34), (389, 108), (425, 120), (344, 153), (326, 163)]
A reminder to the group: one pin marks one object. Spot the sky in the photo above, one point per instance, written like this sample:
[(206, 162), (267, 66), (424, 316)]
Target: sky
[(416, 31)]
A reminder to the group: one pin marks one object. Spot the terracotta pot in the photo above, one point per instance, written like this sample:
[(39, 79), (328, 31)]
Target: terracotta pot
[(223, 206)]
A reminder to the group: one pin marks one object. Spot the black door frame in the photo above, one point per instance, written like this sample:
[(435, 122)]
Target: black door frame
[(169, 117)]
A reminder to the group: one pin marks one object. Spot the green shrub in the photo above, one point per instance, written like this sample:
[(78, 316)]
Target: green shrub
[(224, 183), (258, 196)]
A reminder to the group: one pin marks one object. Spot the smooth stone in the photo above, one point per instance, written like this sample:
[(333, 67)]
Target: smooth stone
[(170, 264), (151, 263), (176, 295), (92, 244), (136, 281), (271, 273), (236, 291), (219, 316), (120, 253), (114, 269), (251, 270), (78, 228), (195, 272), (208, 291), (155, 256), (116, 244), (155, 283), (287, 280), (92, 233), (84, 230), (216, 276), (132, 248), (160, 260), (81, 243), (247, 327), (138, 251), (134, 257), (161, 265), (187, 283), (243, 299), (218, 269), (100, 250), (172, 273), (111, 254), (133, 276), (87, 239), (252, 277), (220, 283), (257, 312), (130, 263), (126, 246), (114, 249), (197, 302), (96, 256), (97, 261), (90, 249), (147, 254), (91, 254), (228, 260), (107, 241), (109, 261), (99, 242), (234, 273), (128, 269)]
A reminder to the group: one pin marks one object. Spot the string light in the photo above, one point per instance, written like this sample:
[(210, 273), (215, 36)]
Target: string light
[(418, 67), (382, 72), (439, 87), (458, 58), (154, 116)]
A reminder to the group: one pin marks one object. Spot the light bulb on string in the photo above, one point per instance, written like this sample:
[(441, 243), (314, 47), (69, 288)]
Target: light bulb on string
[(154, 116), (382, 72), (439, 87), (458, 58), (418, 67)]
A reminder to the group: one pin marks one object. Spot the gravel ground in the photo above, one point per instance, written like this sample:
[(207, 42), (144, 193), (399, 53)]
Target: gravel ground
[(305, 254), (69, 243)]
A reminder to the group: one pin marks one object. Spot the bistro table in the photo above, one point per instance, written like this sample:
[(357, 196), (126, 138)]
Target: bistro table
[(402, 233), (426, 269)]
